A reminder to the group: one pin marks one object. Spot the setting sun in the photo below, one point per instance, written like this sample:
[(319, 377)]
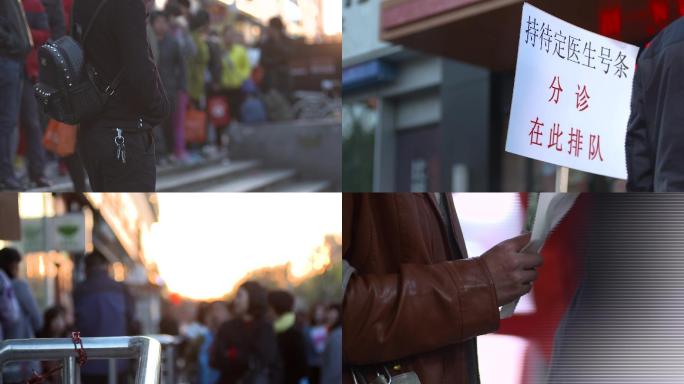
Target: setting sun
[(203, 245)]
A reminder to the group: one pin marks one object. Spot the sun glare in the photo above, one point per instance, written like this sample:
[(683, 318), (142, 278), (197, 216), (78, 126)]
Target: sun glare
[(203, 245)]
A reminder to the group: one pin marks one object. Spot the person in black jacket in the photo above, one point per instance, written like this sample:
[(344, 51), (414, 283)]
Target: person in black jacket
[(117, 148), (245, 349), (291, 340), (171, 64), (275, 58), (103, 307), (655, 134)]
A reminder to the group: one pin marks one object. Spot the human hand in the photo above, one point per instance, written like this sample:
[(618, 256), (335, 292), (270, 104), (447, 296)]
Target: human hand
[(513, 271)]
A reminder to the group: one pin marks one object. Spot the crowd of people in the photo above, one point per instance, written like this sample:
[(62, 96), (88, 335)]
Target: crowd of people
[(206, 66), (259, 337), (211, 79)]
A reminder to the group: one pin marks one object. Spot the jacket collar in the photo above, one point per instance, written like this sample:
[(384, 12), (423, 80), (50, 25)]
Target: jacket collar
[(453, 218)]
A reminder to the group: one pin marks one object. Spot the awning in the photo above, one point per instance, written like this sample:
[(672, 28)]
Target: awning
[(485, 32)]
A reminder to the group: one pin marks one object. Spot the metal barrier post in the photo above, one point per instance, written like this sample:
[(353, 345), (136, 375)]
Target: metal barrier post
[(111, 372), (168, 344), (145, 349), (69, 371)]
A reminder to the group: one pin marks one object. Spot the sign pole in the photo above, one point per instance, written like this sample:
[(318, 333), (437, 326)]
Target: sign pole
[(562, 177)]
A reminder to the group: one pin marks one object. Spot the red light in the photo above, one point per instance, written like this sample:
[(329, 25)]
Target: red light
[(610, 21), (660, 12), (681, 7)]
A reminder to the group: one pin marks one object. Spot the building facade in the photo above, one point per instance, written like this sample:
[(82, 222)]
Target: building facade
[(438, 77), (393, 108), (484, 34), (115, 224)]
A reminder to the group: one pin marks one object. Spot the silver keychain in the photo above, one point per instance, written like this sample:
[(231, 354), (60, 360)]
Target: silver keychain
[(120, 143)]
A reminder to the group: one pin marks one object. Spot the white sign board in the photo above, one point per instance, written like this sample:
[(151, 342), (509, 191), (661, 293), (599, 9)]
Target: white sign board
[(60, 233), (572, 94)]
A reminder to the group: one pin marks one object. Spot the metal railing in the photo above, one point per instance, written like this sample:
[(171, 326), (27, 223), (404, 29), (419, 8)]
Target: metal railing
[(168, 363), (145, 349)]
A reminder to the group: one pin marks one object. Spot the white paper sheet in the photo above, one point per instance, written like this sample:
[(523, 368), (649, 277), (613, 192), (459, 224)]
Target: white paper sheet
[(551, 209), (572, 93)]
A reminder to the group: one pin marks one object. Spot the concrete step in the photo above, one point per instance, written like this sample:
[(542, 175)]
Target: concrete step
[(58, 187), (200, 178), (307, 186), (257, 181), (220, 175), (173, 169)]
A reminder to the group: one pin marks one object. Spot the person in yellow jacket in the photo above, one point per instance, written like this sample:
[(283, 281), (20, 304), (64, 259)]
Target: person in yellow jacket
[(236, 65), (236, 68)]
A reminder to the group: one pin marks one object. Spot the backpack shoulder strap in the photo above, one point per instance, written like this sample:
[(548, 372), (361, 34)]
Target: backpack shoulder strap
[(114, 85), (84, 37)]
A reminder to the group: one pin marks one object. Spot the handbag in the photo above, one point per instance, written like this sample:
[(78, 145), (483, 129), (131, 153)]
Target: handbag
[(60, 138), (385, 377), (219, 111), (195, 126)]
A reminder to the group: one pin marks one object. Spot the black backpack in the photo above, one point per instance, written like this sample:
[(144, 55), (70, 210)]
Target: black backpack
[(67, 88)]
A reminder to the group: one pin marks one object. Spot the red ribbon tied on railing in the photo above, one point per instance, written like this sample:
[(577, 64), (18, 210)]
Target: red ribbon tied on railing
[(82, 359), (76, 339)]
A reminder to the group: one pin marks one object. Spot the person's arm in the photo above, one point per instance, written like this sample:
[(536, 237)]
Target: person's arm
[(8, 39), (28, 304), (640, 164), (56, 17), (421, 308), (9, 305), (669, 114), (38, 23), (141, 76)]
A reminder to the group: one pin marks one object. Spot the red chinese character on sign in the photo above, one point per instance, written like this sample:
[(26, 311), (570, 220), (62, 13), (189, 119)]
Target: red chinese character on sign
[(557, 89), (595, 147), (582, 98), (575, 142), (554, 137), (535, 132)]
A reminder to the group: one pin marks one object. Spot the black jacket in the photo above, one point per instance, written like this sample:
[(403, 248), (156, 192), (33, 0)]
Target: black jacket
[(102, 308), (292, 345), (13, 30), (241, 347), (119, 40), (655, 134)]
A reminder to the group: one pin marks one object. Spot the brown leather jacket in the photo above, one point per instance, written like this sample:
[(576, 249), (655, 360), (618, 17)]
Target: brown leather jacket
[(413, 303)]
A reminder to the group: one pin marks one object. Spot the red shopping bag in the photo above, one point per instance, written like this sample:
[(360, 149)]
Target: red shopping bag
[(195, 126), (60, 138), (219, 111)]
